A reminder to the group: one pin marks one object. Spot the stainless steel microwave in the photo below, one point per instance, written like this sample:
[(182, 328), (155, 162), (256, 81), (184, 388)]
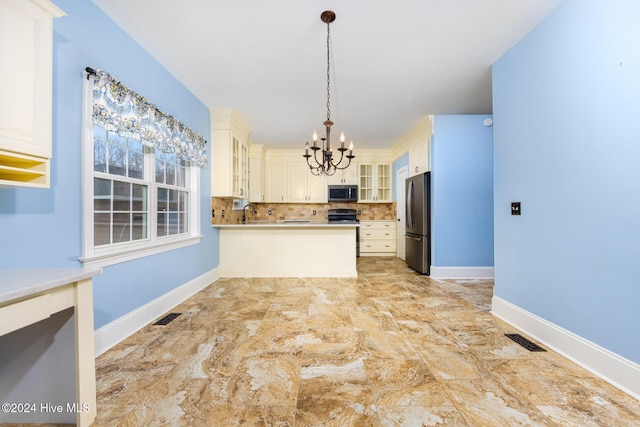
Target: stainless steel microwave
[(343, 193)]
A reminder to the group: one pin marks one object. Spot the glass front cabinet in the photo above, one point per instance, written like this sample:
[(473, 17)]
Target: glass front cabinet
[(230, 165), (374, 182)]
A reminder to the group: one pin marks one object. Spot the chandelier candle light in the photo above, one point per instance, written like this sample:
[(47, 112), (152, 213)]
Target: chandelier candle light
[(326, 165)]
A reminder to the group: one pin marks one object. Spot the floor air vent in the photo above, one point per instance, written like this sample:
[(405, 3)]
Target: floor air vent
[(168, 318), (525, 342)]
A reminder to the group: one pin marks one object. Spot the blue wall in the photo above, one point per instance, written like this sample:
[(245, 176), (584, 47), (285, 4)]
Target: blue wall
[(43, 228), (567, 145), (462, 191)]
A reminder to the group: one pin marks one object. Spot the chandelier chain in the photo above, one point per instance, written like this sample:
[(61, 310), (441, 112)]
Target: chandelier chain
[(327, 164), (328, 76)]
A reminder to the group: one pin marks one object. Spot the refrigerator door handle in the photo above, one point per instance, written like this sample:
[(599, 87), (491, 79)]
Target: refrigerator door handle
[(417, 239), (409, 207)]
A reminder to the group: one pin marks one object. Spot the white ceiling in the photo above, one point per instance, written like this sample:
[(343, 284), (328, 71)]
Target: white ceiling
[(392, 62)]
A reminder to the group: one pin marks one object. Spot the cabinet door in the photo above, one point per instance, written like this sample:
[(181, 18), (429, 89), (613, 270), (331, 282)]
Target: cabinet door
[(336, 179), (235, 166), (414, 160), (276, 182), (348, 176), (256, 180), (365, 182), (298, 176), (316, 188), (244, 170), (419, 158), (239, 168), (383, 181), (25, 76)]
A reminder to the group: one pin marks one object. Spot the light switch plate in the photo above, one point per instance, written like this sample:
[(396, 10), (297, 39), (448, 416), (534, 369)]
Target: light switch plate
[(515, 208)]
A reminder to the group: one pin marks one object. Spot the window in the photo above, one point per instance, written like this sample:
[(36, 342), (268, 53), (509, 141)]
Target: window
[(173, 197), (120, 192), (138, 200)]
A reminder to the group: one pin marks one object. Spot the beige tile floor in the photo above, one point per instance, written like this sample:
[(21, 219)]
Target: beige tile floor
[(390, 348)]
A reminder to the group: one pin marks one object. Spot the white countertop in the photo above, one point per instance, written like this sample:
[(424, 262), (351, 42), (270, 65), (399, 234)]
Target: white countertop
[(288, 224), (15, 284)]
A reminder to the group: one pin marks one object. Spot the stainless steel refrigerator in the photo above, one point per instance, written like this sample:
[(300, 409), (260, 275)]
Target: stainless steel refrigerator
[(418, 222)]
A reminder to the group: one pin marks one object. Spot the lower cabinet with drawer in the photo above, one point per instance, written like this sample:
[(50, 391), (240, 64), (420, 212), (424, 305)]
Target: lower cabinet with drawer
[(377, 238)]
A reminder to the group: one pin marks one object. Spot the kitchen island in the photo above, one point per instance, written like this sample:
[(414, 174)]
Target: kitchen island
[(288, 249)]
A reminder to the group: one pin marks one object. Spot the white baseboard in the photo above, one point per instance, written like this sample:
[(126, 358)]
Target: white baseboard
[(289, 273), (611, 367), (115, 332), (461, 272)]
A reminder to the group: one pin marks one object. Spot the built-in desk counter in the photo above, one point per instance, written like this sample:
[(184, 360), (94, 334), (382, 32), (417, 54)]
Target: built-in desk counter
[(46, 329), (287, 223), (288, 248)]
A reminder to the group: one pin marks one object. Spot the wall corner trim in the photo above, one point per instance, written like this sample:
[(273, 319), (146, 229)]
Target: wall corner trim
[(611, 367), (117, 331), (461, 272)]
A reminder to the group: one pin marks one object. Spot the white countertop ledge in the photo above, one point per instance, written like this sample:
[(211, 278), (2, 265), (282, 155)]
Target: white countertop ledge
[(289, 224), (17, 284)]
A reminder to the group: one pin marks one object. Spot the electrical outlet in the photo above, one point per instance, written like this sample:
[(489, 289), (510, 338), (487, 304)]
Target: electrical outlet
[(515, 208), (314, 211), (269, 212), (213, 213), (222, 213), (359, 212)]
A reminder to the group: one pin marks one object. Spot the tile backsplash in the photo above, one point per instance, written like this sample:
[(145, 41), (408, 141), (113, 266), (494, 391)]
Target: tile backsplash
[(281, 211)]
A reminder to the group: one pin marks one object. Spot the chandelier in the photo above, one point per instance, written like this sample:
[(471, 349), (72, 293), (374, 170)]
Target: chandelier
[(326, 164)]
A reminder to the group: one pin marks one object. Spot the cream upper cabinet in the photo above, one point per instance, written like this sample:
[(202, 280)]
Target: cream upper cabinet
[(373, 176), (348, 176), (419, 158), (304, 186), (374, 182), (26, 29), (257, 187), (276, 182), (317, 188), (230, 154), (417, 142), (239, 168)]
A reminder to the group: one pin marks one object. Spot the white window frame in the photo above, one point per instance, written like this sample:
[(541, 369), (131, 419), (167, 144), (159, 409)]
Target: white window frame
[(126, 251)]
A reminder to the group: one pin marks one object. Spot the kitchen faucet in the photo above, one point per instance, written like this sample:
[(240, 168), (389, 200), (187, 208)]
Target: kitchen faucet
[(244, 210)]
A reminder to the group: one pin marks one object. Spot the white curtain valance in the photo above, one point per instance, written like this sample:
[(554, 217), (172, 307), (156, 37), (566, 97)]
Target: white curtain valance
[(118, 108)]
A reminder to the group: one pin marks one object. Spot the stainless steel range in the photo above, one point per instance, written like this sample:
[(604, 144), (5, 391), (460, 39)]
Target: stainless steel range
[(346, 216)]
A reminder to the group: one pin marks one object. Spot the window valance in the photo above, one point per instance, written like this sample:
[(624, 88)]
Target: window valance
[(118, 108)]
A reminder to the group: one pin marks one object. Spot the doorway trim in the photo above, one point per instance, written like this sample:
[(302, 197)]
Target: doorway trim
[(401, 176)]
